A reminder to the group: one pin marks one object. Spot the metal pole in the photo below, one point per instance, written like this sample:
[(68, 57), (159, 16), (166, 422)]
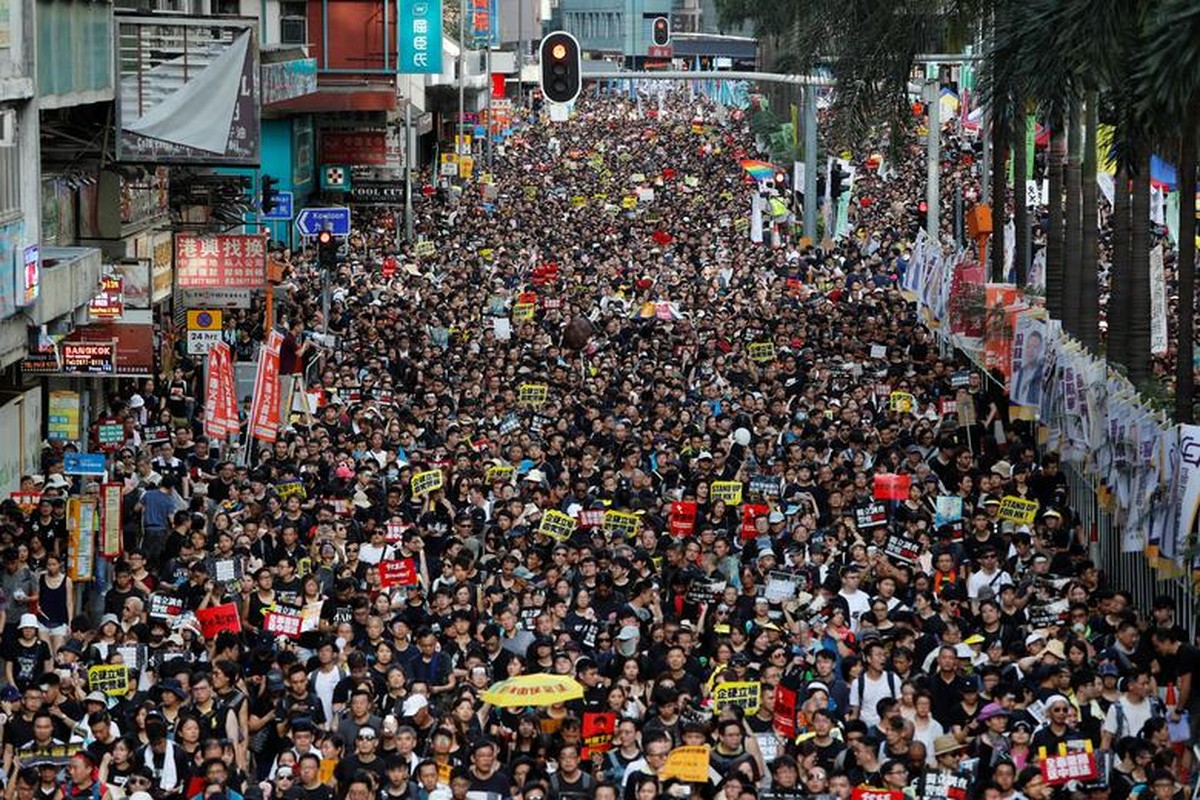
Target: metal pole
[(810, 163), (520, 52), (985, 168), (408, 172), (933, 158), (487, 131), (462, 75)]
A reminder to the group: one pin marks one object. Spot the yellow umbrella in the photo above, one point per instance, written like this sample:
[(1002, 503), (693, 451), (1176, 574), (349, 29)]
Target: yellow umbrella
[(538, 689)]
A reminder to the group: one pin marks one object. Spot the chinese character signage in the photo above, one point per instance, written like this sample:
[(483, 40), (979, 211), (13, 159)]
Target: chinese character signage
[(33, 274), (109, 303), (357, 148), (421, 36), (211, 261), (482, 19), (204, 109)]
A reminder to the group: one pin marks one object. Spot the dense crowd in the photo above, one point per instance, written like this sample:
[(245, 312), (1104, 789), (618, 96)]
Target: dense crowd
[(629, 495)]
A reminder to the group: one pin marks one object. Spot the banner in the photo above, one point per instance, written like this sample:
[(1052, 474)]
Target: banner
[(557, 525), (1002, 300), (598, 730), (215, 619), (683, 518), (785, 712), (891, 486), (1028, 360), (420, 35), (870, 515), (1158, 303), (219, 394), (729, 492), (397, 572), (112, 679), (264, 406), (1014, 509), (688, 763), (111, 542)]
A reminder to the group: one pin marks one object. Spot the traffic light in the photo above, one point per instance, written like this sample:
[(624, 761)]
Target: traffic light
[(326, 251), (661, 31), (560, 67), (269, 196), (839, 182)]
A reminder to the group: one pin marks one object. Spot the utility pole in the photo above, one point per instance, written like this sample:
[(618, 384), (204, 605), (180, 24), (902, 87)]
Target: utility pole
[(933, 160), (409, 141), (487, 130), (810, 162), (520, 52), (462, 75)]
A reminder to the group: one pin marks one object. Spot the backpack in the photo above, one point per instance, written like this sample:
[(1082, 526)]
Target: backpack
[(862, 684), (1157, 709)]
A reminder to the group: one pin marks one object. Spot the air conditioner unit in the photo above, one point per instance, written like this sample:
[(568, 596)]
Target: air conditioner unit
[(293, 30), (8, 127)]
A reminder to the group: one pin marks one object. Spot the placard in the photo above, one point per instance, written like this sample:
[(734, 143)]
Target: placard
[(425, 482), (557, 525), (282, 624), (781, 586), (592, 518), (26, 501), (871, 515), (164, 606), (225, 570), (1014, 509), (901, 402), (874, 793), (706, 590), (523, 312), (499, 472), (729, 492), (620, 523), (761, 351), (688, 763), (112, 679), (892, 486), (765, 485), (784, 720), (533, 394), (744, 694), (397, 572), (598, 730), (901, 548), (949, 508), (215, 619), (683, 518), (751, 512)]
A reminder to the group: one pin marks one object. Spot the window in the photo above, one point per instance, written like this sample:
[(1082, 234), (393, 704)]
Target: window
[(10, 179)]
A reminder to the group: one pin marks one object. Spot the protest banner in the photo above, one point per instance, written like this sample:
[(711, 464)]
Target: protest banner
[(425, 482), (397, 572), (784, 720), (163, 606), (424, 248), (597, 732), (225, 570), (1064, 766), (892, 486), (557, 525), (945, 786), (532, 394), (901, 402), (871, 515), (744, 694), (620, 523), (781, 586), (728, 492), (395, 530), (949, 508), (593, 518), (1015, 509), (688, 763), (112, 679), (523, 312), (282, 624), (683, 518), (499, 472), (705, 590), (767, 486), (215, 619), (288, 489)]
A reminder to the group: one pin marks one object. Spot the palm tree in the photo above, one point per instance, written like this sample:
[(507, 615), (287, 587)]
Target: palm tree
[(1073, 263), (1089, 283)]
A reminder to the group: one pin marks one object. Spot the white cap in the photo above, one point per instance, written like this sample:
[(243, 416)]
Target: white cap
[(414, 703), (28, 621)]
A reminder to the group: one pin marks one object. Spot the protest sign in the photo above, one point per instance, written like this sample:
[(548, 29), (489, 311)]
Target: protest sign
[(1066, 766), (291, 489), (901, 402), (620, 523), (728, 492), (598, 730), (282, 624), (425, 482), (112, 679), (523, 312), (592, 518), (26, 501), (901, 548), (785, 711), (499, 472), (225, 570), (683, 518), (744, 694), (1014, 509), (761, 351), (532, 394), (946, 786), (215, 619), (874, 793), (163, 606), (397, 572), (688, 763), (1043, 615), (765, 485), (892, 486), (871, 515), (705, 590), (781, 586), (557, 525), (949, 508), (395, 531), (751, 512)]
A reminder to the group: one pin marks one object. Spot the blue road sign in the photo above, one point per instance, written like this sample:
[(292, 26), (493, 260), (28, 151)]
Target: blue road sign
[(311, 221), (84, 463), (283, 207)]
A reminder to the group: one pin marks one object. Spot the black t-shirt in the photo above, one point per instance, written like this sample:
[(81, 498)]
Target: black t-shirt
[(28, 662), (496, 786), (18, 731)]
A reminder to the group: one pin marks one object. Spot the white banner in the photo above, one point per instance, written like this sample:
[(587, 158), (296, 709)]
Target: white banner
[(1158, 303)]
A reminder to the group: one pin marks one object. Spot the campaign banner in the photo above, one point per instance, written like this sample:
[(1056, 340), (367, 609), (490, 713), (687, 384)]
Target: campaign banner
[(397, 572), (264, 406), (683, 518), (598, 730)]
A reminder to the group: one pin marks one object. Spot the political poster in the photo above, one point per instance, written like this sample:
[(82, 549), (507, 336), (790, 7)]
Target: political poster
[(870, 515), (1028, 360), (598, 730), (215, 619), (744, 694), (688, 763)]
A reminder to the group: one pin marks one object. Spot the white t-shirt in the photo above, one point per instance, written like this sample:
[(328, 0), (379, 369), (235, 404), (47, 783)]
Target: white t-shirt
[(859, 603), (1135, 716), (873, 690), (977, 581)]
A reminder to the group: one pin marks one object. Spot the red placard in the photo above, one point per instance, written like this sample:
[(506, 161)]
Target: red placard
[(397, 572), (750, 511), (215, 619), (282, 624), (785, 712), (226, 261), (875, 793), (891, 486), (389, 266), (354, 147), (598, 730), (683, 518)]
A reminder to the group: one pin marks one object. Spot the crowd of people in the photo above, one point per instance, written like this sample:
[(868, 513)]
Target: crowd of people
[(659, 448)]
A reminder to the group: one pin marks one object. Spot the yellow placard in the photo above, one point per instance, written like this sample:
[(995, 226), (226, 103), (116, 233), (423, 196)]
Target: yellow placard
[(578, 201), (425, 482), (688, 763), (629, 202), (532, 394), (600, 196), (486, 253), (424, 248), (530, 192), (1014, 509), (728, 491), (328, 765), (741, 224), (745, 694), (621, 523), (557, 525), (523, 312), (761, 351), (112, 679), (902, 402), (502, 472)]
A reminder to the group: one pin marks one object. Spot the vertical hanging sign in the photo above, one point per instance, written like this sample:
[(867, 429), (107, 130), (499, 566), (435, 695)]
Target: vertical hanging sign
[(421, 37)]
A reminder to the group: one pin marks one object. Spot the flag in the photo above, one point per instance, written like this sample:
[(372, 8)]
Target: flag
[(264, 407), (218, 421)]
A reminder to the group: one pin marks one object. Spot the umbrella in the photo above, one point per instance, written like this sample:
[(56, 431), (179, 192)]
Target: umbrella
[(538, 689), (759, 170)]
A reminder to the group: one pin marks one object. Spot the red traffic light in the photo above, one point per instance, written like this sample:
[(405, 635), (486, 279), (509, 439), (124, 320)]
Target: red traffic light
[(922, 206), (661, 31), (324, 237)]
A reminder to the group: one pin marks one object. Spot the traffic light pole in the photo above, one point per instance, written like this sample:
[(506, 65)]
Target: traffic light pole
[(933, 160), (810, 163)]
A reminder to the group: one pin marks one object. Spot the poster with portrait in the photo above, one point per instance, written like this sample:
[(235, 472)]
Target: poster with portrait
[(1028, 360)]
